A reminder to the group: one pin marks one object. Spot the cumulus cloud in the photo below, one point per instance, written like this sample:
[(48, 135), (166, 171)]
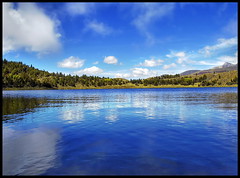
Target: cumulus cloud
[(122, 75), (71, 62), (181, 56), (143, 72), (98, 27), (89, 71), (222, 43), (137, 73), (169, 66), (151, 63), (110, 60), (28, 27)]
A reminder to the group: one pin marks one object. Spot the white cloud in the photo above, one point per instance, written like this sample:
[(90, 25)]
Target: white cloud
[(140, 72), (85, 9), (151, 62), (98, 27), (147, 13), (137, 73), (176, 54), (181, 56), (110, 60), (222, 47), (221, 44), (74, 8), (181, 60), (28, 28), (231, 59), (89, 71), (231, 27), (169, 66), (122, 75), (143, 72), (214, 55), (115, 73), (71, 62), (211, 63), (218, 62), (96, 62)]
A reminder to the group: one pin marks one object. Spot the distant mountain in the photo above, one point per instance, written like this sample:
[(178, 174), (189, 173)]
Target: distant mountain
[(189, 72), (223, 68), (225, 65)]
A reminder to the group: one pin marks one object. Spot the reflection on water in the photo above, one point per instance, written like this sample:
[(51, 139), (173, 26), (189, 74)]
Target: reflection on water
[(72, 116), (120, 132), (112, 115), (29, 153), (225, 100), (210, 98), (20, 105)]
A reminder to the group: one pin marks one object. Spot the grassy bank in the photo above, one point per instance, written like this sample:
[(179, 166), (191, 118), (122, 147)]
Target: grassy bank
[(117, 87)]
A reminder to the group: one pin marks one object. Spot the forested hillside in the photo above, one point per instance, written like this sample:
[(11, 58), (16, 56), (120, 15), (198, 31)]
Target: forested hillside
[(19, 75)]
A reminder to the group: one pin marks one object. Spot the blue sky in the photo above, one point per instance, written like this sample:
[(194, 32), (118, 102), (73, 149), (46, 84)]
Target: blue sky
[(129, 40)]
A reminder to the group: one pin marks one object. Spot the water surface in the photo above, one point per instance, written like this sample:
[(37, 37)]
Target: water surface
[(188, 131)]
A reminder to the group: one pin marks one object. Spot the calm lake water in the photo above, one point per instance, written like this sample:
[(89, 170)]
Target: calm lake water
[(185, 131)]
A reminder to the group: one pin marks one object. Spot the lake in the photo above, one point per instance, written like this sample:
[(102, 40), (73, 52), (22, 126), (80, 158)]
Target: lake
[(168, 131)]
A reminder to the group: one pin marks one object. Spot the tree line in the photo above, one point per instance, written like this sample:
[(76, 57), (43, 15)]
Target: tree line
[(19, 75)]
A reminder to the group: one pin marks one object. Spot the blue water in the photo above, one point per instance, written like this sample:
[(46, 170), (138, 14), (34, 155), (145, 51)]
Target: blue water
[(188, 131)]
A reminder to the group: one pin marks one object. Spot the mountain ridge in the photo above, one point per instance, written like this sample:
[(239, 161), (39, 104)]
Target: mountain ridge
[(227, 66)]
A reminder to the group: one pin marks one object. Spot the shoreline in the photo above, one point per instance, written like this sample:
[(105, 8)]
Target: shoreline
[(123, 87)]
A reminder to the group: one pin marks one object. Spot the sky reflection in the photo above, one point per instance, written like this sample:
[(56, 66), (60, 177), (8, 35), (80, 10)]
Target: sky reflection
[(29, 152), (176, 132)]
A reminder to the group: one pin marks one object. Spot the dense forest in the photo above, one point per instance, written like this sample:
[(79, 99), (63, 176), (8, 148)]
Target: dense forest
[(19, 75)]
